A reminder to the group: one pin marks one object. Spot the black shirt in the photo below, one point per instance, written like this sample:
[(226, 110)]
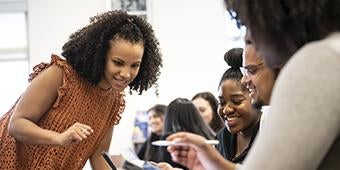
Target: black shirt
[(149, 152), (227, 145)]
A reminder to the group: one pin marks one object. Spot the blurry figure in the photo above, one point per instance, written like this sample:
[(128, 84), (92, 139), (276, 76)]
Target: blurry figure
[(182, 115), (207, 104), (149, 152)]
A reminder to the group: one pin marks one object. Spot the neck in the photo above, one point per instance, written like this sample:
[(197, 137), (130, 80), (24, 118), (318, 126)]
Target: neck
[(248, 132)]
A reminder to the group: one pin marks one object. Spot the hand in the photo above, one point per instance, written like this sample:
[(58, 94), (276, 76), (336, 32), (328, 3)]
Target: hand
[(186, 152), (74, 134), (186, 156), (192, 151), (165, 166)]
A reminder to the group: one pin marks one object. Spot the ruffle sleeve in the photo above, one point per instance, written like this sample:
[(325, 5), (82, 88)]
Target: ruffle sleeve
[(68, 76)]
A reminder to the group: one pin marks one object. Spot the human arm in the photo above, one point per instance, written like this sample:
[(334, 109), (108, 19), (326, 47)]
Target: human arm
[(34, 103), (303, 120), (96, 160), (194, 153)]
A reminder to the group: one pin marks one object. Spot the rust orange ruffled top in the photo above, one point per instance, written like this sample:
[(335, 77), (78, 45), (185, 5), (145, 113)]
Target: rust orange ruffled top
[(77, 101)]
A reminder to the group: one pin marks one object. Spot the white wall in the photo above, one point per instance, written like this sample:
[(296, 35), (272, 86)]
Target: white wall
[(50, 22), (192, 35)]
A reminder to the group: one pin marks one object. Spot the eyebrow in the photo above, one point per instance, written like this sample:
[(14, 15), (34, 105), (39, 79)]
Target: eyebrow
[(233, 95), (121, 60)]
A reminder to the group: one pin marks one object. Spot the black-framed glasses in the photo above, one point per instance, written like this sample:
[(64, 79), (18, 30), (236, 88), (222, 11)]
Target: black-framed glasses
[(250, 69)]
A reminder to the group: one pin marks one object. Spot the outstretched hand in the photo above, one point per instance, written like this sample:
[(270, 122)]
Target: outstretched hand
[(192, 151), (187, 150), (74, 134)]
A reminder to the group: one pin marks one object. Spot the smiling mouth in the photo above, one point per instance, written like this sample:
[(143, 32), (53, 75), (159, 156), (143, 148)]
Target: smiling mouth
[(231, 118), (120, 82)]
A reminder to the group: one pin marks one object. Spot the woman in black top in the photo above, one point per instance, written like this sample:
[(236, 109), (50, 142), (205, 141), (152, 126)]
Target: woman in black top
[(241, 120), (148, 151)]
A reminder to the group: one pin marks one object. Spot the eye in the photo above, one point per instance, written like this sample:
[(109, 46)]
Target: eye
[(117, 63), (201, 109), (248, 42), (135, 65), (252, 70), (237, 101)]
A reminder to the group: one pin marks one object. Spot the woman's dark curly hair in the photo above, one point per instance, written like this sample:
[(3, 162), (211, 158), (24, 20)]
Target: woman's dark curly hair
[(283, 26), (87, 48)]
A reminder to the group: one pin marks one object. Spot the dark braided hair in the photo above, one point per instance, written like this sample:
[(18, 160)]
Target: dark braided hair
[(87, 48), (283, 26)]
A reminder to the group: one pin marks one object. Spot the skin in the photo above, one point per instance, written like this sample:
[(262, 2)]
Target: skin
[(193, 149), (261, 79), (155, 122), (235, 109), (204, 108), (122, 65)]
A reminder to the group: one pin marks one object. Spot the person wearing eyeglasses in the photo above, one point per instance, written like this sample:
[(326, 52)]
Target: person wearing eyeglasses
[(257, 76)]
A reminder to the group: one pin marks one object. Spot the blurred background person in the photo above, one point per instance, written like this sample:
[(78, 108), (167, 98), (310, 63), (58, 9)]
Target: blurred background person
[(149, 152), (182, 115), (207, 104)]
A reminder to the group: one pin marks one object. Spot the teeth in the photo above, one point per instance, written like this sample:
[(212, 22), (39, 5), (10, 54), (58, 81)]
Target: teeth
[(231, 117)]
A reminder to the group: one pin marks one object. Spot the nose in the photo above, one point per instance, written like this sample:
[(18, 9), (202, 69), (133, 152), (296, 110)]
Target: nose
[(227, 109), (125, 73), (245, 79)]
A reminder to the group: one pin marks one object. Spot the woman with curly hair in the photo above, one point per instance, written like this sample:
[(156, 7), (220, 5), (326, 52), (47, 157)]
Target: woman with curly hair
[(67, 114)]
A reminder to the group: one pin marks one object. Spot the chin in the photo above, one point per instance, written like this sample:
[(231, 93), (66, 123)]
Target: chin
[(115, 88), (258, 104)]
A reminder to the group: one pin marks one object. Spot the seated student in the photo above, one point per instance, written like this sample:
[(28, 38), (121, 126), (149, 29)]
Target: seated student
[(260, 78), (182, 115), (307, 56), (235, 108), (207, 104), (149, 152)]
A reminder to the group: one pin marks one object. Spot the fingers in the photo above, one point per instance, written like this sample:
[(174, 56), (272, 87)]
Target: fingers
[(82, 131), (179, 154), (164, 166), (75, 134), (84, 127)]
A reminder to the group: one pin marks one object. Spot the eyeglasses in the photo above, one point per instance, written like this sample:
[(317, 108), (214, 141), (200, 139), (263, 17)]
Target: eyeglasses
[(250, 69)]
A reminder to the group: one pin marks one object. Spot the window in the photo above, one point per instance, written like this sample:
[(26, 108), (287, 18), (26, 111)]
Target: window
[(13, 53)]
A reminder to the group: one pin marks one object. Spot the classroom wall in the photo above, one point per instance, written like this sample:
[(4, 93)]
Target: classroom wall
[(192, 34)]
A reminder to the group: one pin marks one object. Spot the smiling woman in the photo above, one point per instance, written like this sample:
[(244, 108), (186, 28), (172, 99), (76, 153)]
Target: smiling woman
[(149, 152), (242, 121), (67, 113), (122, 64)]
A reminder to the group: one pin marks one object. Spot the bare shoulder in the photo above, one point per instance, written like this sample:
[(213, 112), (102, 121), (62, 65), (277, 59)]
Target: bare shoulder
[(52, 76)]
